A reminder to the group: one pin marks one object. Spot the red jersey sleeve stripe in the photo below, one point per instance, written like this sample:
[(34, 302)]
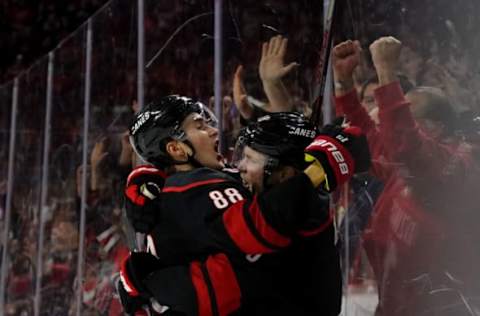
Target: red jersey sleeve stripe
[(191, 185), (237, 228), (201, 289), (224, 282), (132, 193), (266, 231)]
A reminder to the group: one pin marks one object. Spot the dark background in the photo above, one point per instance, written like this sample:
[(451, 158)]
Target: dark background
[(29, 29)]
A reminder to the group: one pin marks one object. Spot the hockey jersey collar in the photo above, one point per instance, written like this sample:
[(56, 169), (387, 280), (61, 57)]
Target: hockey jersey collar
[(183, 181)]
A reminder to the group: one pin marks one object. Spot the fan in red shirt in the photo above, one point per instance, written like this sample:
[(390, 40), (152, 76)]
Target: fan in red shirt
[(421, 240)]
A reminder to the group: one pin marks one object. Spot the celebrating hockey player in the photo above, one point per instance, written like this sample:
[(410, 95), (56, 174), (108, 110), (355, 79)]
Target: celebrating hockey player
[(210, 233)]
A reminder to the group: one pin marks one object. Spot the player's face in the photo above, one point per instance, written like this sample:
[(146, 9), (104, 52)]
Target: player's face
[(251, 168), (204, 139)]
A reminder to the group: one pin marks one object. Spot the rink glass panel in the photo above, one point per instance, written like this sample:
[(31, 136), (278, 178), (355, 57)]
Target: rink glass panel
[(114, 91), (178, 49), (417, 252), (5, 123), (246, 25), (27, 171), (61, 226), (431, 275)]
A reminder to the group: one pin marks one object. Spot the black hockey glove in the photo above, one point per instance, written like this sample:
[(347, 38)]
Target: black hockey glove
[(132, 305), (144, 185), (341, 152), (133, 293)]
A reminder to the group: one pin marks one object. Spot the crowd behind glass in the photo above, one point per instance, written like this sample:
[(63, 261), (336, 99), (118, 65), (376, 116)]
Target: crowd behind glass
[(432, 49)]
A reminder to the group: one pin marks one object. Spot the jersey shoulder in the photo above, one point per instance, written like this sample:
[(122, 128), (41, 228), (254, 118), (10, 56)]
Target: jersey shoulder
[(200, 177), (233, 173)]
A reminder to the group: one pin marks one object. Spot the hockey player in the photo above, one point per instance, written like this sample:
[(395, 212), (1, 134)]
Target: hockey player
[(209, 218)]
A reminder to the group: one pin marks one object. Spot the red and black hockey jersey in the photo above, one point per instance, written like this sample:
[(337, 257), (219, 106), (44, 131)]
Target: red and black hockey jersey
[(221, 245)]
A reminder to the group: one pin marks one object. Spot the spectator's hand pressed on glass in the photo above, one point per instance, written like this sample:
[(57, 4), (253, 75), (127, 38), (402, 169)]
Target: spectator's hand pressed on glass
[(99, 153), (272, 63), (272, 69), (98, 156), (227, 120), (125, 159), (345, 58), (385, 56), (240, 94)]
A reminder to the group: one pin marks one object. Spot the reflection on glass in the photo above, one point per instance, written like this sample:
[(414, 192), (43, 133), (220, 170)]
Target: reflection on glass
[(5, 114), (407, 229), (410, 83), (113, 100), (179, 49), (63, 197), (22, 247)]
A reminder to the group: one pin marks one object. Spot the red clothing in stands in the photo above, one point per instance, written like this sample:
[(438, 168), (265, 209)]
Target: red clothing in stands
[(422, 222)]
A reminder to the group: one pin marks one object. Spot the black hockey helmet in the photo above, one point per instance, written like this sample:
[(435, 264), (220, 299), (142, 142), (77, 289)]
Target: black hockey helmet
[(281, 136), (160, 122)]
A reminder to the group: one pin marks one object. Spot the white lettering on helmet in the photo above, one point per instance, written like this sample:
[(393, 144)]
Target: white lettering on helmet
[(303, 132), (139, 123), (143, 118)]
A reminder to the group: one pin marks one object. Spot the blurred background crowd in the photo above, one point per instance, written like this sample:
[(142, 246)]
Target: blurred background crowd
[(30, 29), (439, 49)]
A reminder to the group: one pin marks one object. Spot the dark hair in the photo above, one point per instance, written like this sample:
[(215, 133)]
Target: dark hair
[(438, 108), (405, 83)]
